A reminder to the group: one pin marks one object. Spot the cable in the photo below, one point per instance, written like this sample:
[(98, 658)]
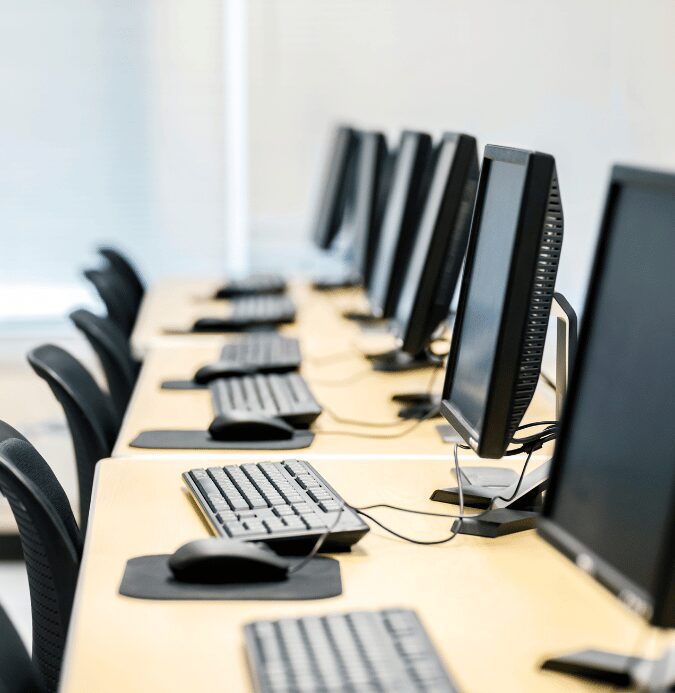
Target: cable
[(380, 424), (455, 528), (520, 480), (319, 542)]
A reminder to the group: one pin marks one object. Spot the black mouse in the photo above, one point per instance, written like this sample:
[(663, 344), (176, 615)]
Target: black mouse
[(227, 369), (224, 561), (243, 425)]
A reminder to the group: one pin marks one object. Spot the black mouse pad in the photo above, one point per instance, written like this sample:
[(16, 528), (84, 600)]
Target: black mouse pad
[(149, 577), (182, 385), (201, 440)]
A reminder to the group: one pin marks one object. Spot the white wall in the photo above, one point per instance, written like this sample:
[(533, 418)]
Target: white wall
[(110, 129), (590, 81)]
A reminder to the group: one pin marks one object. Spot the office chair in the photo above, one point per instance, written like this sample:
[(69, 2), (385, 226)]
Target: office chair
[(126, 271), (52, 549), (17, 673), (116, 296), (114, 353), (92, 419)]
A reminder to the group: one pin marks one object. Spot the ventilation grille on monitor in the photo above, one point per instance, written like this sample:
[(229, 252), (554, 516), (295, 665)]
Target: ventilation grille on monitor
[(540, 308)]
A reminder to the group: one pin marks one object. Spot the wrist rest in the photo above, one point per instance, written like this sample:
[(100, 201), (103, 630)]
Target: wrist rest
[(201, 440)]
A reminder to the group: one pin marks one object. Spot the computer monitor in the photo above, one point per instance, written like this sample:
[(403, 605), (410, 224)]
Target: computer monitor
[(505, 298), (399, 224), (436, 260), (370, 178), (610, 506), (334, 192)]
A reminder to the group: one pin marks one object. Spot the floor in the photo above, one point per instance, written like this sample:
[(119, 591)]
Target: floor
[(27, 404)]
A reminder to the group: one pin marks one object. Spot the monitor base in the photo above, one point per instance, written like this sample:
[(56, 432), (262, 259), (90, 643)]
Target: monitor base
[(480, 486), (522, 504), (617, 669), (496, 523), (336, 283), (419, 405), (362, 316), (397, 361)]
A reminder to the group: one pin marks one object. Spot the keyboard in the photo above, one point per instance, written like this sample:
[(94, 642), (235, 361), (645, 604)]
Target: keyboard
[(262, 309), (263, 350), (252, 285), (282, 395), (359, 651), (288, 505)]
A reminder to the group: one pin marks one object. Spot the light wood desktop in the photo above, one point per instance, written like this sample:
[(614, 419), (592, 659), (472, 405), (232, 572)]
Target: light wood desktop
[(347, 388), (493, 608), (176, 303)]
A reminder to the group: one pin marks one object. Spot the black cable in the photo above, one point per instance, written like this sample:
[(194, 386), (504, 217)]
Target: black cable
[(354, 377), (520, 480), (402, 536), (403, 510), (356, 422)]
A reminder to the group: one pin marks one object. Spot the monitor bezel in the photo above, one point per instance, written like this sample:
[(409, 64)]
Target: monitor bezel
[(655, 610), (325, 231), (428, 307), (539, 172)]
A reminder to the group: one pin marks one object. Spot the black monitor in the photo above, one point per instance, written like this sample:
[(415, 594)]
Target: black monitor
[(334, 193), (505, 298), (436, 260), (610, 506), (370, 179), (399, 224)]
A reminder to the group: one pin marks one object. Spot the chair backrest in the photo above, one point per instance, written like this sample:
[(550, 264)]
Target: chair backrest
[(116, 296), (92, 419), (17, 672), (114, 353), (125, 269), (52, 549)]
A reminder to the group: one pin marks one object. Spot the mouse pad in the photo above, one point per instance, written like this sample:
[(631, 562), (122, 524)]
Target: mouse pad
[(201, 440), (183, 385), (149, 577)]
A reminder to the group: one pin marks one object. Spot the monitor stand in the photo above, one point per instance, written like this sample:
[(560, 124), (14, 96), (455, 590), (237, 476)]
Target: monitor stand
[(651, 675), (521, 510), (348, 281), (397, 361), (418, 405), (362, 316)]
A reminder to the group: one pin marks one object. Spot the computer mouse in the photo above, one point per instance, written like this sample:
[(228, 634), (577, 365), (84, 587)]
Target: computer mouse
[(226, 369), (243, 425), (223, 561)]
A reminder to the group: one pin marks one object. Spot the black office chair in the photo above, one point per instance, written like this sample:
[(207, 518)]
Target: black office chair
[(116, 296), (125, 269), (114, 353), (52, 549), (17, 673), (92, 419)]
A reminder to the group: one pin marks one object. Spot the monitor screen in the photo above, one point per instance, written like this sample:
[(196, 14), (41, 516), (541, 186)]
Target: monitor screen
[(613, 488), (335, 187), (484, 302), (398, 225), (425, 232)]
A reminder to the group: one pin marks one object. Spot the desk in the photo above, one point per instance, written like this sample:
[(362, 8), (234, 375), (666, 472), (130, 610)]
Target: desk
[(494, 608), (177, 303), (347, 388)]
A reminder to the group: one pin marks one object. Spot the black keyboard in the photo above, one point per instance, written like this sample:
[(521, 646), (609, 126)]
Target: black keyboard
[(359, 651), (263, 350), (288, 505), (262, 309), (282, 395), (252, 285)]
